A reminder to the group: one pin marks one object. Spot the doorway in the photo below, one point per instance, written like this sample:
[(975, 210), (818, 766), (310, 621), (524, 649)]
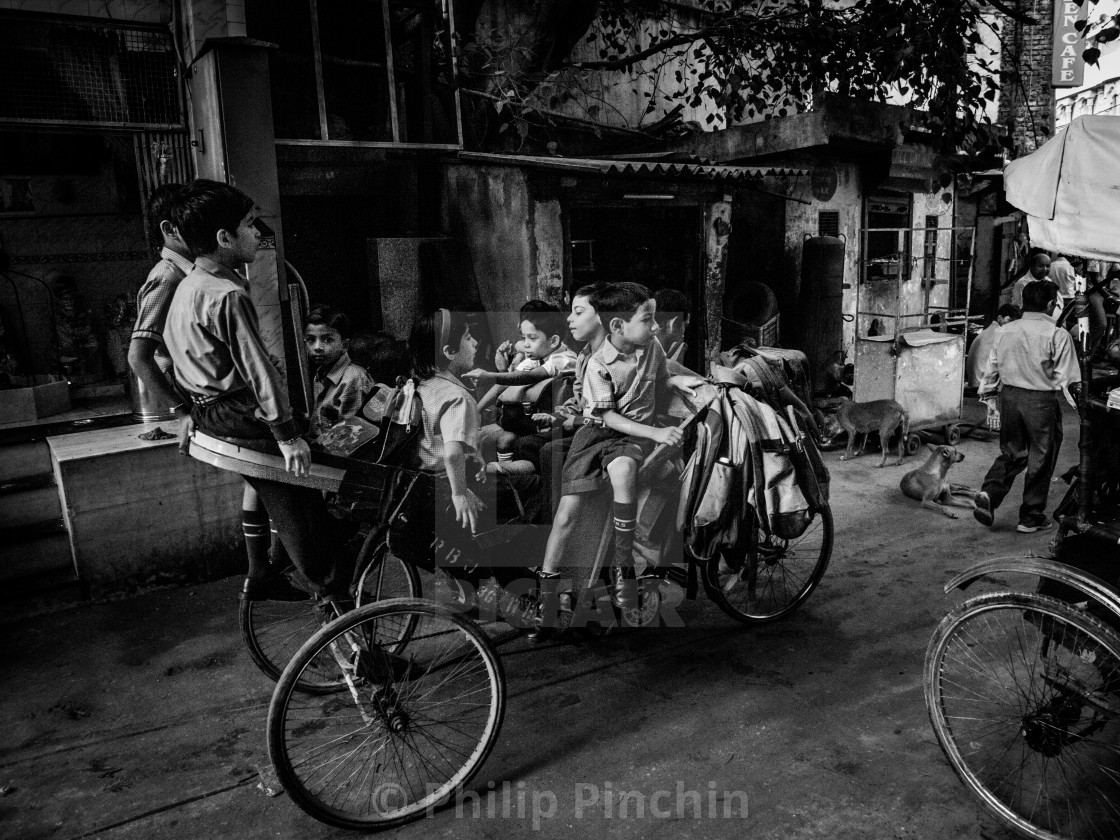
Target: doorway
[(659, 247)]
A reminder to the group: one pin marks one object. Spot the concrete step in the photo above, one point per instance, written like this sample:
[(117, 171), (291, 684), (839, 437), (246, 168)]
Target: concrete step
[(18, 460), (27, 482), (42, 548), (25, 505)]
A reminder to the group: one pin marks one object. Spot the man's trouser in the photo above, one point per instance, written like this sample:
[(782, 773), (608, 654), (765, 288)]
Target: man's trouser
[(1029, 438)]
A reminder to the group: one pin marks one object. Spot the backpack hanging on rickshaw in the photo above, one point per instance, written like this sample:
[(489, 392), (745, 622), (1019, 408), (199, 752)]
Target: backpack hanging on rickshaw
[(388, 429)]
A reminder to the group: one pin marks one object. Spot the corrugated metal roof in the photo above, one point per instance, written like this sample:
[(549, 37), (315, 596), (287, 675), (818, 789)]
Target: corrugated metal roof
[(712, 172)]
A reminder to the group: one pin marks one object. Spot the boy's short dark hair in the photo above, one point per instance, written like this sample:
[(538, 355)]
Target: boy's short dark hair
[(620, 300), (384, 357), (671, 302), (161, 207), (545, 317), (329, 316), (1009, 310), (589, 291), (1037, 295), (206, 207)]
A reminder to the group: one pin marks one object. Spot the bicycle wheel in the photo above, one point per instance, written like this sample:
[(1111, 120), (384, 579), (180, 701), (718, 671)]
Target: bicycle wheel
[(1022, 692), (774, 580), (417, 724), (274, 630)]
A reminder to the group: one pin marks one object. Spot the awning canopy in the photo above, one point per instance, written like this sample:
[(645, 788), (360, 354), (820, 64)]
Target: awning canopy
[(1070, 189), (664, 168)]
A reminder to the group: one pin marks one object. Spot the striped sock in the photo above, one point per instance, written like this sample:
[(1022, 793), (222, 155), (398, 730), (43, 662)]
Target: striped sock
[(254, 525), (505, 456), (625, 519)]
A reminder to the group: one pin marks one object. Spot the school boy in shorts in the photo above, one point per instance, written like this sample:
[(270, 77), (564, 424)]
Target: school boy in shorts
[(621, 387), (341, 386), (236, 390), (150, 361)]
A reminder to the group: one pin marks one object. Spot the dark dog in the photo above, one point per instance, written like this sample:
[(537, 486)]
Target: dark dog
[(927, 484), (863, 418)]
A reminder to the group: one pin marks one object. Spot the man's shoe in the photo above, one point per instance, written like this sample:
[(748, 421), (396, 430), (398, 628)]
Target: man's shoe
[(1034, 526), (275, 588), (983, 511)]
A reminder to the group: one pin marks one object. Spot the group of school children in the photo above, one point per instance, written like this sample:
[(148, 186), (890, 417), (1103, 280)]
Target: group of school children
[(228, 386)]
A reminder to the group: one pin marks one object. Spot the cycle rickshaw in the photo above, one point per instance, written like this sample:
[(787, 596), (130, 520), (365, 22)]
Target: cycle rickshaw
[(381, 714), (1023, 687)]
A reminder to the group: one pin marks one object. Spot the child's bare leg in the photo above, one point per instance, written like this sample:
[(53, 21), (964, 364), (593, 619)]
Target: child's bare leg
[(548, 578), (506, 443), (623, 473), (562, 523)]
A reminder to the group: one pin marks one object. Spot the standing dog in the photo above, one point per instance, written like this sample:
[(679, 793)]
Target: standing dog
[(864, 418), (927, 484)]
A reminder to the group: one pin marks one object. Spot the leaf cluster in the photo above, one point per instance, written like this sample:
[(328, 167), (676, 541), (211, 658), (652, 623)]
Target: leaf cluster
[(742, 60)]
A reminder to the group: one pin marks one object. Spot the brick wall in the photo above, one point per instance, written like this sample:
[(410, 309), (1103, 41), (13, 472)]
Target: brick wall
[(1026, 106)]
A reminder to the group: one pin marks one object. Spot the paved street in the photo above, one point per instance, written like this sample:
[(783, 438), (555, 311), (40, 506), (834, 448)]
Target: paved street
[(144, 718)]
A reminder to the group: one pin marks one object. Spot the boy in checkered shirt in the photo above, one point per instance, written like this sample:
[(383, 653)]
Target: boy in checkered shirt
[(621, 388)]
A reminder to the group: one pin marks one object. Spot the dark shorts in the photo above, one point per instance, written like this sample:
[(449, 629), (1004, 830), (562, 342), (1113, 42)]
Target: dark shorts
[(593, 449), (233, 417)]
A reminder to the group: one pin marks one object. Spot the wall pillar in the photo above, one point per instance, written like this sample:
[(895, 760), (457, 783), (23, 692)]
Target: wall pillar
[(235, 144), (717, 233)]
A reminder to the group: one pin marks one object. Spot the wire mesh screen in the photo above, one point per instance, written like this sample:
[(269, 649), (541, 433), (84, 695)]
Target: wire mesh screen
[(77, 73)]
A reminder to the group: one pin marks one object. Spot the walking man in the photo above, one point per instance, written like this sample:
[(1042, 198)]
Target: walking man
[(1032, 362)]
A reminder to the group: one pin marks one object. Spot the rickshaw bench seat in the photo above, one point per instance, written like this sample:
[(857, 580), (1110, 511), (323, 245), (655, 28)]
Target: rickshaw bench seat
[(230, 456)]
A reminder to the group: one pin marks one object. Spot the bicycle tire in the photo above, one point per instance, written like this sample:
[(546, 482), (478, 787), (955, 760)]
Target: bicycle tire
[(1023, 693), (738, 593), (418, 723), (274, 630)]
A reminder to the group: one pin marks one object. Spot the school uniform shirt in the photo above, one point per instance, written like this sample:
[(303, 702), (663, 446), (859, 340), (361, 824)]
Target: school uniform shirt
[(559, 361), (339, 393), (450, 413), (1031, 353), (154, 299), (215, 343), (625, 382)]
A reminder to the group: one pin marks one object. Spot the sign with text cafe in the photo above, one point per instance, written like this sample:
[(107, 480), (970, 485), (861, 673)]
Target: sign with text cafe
[(1069, 66)]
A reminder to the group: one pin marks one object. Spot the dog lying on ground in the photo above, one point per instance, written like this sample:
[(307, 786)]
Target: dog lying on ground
[(863, 418), (927, 483)]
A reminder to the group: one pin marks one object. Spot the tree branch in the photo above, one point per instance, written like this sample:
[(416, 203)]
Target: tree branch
[(653, 49), (1014, 14)]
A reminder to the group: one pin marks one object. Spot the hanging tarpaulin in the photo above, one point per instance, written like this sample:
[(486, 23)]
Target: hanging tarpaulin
[(1070, 189)]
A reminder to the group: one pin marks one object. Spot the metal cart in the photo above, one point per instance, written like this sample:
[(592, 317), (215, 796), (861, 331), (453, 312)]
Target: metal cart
[(911, 324)]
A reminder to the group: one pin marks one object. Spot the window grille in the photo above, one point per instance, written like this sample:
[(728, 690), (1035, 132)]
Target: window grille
[(94, 73), (828, 223), (377, 72)]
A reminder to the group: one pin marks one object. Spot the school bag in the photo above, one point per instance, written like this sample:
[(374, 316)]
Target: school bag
[(387, 435), (749, 468)]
